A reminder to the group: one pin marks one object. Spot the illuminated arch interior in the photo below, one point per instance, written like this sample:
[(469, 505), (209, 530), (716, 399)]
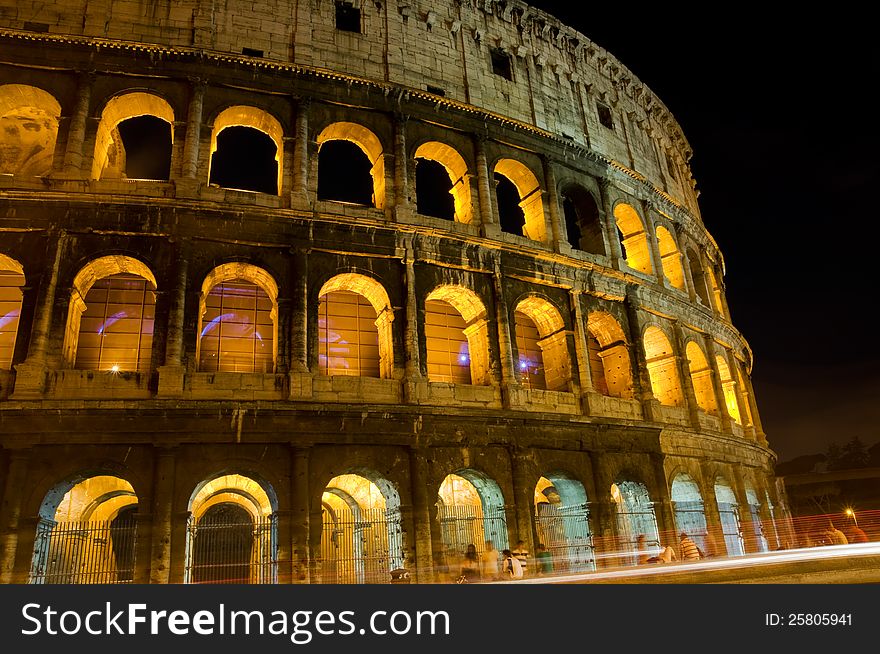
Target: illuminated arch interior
[(610, 367), (28, 130), (111, 316), (662, 369), (238, 311), (728, 509), (11, 281), (670, 257), (110, 155), (699, 278), (530, 197), (471, 511), (635, 514), (728, 385), (714, 289), (95, 499), (369, 143), (633, 238), (687, 502), (701, 377), (456, 336), (245, 492), (354, 327), (582, 220), (456, 168), (542, 345), (253, 118), (748, 422)]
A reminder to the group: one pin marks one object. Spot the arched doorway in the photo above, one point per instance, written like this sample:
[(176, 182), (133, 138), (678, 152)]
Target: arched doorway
[(86, 533), (470, 510), (635, 516), (690, 515), (728, 511), (232, 532), (362, 539), (562, 520)]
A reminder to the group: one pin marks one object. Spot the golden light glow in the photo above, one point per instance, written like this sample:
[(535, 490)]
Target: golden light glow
[(371, 146), (634, 238), (244, 116), (701, 377), (530, 197), (456, 167), (662, 371), (670, 258), (28, 130)]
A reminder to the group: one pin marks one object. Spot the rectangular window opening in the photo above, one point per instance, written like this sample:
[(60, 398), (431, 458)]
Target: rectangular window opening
[(501, 64), (436, 90), (251, 52), (348, 17), (30, 26), (605, 118)]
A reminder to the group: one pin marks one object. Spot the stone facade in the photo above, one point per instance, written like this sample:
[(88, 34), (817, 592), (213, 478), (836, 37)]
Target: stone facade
[(674, 397)]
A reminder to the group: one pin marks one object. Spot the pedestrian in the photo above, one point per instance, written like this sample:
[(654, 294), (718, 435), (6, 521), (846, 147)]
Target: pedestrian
[(689, 549), (834, 536), (667, 555), (543, 560), (512, 568), (710, 544), (489, 562), (642, 547), (470, 565), (856, 534), (521, 553)]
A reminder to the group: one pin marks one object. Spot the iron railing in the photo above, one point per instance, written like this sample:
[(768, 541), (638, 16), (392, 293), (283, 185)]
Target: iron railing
[(98, 552), (565, 532), (360, 548), (232, 552)]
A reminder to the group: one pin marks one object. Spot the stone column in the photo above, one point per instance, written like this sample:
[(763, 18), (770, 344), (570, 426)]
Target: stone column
[(163, 497), (190, 166), (171, 375), (582, 354), (722, 295), (412, 354), (299, 515), (73, 153), (641, 379), (299, 194), (616, 253), (750, 533), (505, 346), (756, 419), (713, 516), (654, 245), (744, 412), (299, 360), (30, 377), (10, 512), (484, 188), (602, 511), (720, 400), (421, 510), (684, 374), (685, 262), (523, 501), (663, 504), (402, 205), (557, 231)]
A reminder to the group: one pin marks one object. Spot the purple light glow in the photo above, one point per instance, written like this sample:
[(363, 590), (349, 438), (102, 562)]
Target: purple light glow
[(8, 318), (116, 317)]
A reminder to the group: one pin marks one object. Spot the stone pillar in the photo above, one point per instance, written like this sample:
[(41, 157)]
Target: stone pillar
[(299, 195), (299, 359), (602, 512), (744, 411), (713, 517), (684, 374), (73, 153), (287, 187), (421, 510), (10, 512), (720, 400), (556, 229), (663, 504), (616, 252), (402, 204), (654, 245), (685, 262), (171, 375), (749, 532), (30, 378), (412, 354), (163, 497), (641, 379), (756, 420), (582, 354), (190, 166), (299, 515), (722, 294), (484, 188), (523, 502), (505, 346)]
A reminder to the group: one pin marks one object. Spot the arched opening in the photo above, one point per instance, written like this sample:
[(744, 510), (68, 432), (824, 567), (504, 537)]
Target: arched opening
[(699, 278), (744, 394), (351, 166), (520, 203), (232, 532), (134, 138), (11, 282), (662, 369), (701, 377), (728, 386), (670, 257), (635, 516), (728, 510), (86, 533), (238, 320), (715, 289), (362, 539), (456, 337), (443, 187), (583, 224), (246, 150), (354, 328), (28, 130), (542, 346), (610, 367), (111, 315), (470, 510), (690, 514), (562, 520), (760, 542), (633, 238)]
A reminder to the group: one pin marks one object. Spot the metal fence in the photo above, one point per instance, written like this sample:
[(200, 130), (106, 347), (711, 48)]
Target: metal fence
[(463, 525), (232, 552), (360, 547), (99, 552), (731, 528), (565, 533)]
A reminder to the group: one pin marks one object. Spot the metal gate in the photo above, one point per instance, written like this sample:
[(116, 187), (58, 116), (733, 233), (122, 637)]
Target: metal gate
[(463, 525), (730, 527), (100, 552), (630, 524), (690, 517), (232, 552), (565, 533), (360, 548)]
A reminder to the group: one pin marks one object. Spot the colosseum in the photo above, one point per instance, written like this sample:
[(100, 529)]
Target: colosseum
[(316, 291)]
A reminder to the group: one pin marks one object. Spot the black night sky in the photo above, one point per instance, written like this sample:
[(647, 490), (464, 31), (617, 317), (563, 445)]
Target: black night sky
[(781, 114)]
